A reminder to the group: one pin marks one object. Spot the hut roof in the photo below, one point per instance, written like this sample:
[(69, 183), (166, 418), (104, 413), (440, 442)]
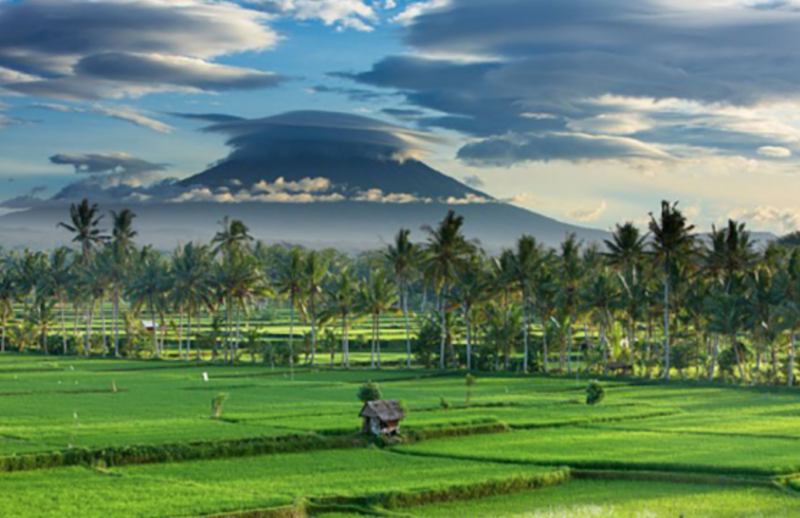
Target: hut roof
[(384, 410)]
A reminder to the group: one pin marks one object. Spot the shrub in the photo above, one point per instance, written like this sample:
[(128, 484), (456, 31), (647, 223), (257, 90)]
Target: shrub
[(216, 405), (595, 393), (444, 403), (470, 382), (369, 391)]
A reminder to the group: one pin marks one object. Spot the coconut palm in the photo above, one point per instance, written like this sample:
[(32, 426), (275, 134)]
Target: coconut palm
[(376, 297), (84, 222), (446, 251), (602, 295), (240, 280), (403, 258), (342, 298), (570, 277), (471, 288), (545, 296), (289, 284), (672, 240), (60, 273), (8, 295), (526, 260), (315, 271), (191, 283), (234, 236), (147, 286), (625, 252), (122, 231)]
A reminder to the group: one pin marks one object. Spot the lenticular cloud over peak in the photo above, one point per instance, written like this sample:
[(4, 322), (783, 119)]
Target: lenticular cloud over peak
[(330, 134)]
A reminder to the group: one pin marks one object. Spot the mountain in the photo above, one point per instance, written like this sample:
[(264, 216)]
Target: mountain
[(350, 174)]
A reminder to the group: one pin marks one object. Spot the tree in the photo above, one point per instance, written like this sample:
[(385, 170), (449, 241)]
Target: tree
[(122, 232), (342, 299), (315, 271), (191, 281), (8, 295), (240, 279), (403, 257), (60, 273), (570, 276), (472, 286), (526, 261), (377, 296), (84, 222), (233, 237), (289, 284), (369, 391), (147, 286), (446, 250), (672, 240), (625, 252), (602, 296)]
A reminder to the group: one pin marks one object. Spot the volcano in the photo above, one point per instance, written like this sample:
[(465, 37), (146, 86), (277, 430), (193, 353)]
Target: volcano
[(312, 178)]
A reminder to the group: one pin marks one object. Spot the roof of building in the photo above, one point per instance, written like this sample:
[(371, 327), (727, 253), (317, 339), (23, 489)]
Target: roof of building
[(383, 410)]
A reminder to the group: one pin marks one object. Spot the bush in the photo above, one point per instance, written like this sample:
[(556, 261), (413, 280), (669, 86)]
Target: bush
[(216, 405), (444, 403), (595, 393), (369, 391)]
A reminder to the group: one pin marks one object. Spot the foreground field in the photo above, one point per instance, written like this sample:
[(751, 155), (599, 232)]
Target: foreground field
[(88, 438)]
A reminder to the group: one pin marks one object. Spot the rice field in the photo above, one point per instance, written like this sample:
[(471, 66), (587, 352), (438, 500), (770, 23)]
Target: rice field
[(103, 437)]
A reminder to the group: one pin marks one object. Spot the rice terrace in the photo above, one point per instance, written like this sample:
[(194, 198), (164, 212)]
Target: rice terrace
[(399, 258)]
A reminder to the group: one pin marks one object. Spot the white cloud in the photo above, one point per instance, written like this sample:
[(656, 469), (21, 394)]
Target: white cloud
[(417, 9), (378, 196), (123, 113), (342, 14), (774, 152), (589, 215), (613, 123), (767, 217)]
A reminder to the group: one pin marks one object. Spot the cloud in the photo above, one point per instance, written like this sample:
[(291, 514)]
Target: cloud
[(333, 134), (474, 181), (342, 14), (306, 185), (510, 149), (691, 80), (783, 220), (378, 196), (416, 9), (589, 215), (97, 163), (77, 50), (354, 94), (404, 114), (122, 113), (774, 152)]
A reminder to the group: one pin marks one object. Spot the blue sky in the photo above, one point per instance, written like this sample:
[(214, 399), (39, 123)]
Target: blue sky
[(589, 111)]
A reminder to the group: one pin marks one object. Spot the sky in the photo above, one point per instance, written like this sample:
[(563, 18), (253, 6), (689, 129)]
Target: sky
[(588, 111)]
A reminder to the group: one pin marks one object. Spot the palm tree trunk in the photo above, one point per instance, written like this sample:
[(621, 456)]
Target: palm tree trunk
[(714, 358), (3, 342), (116, 323), (155, 331), (188, 334), (103, 325), (604, 346), (545, 359), (666, 321), (792, 352), (180, 333), (87, 347), (63, 322), (378, 337), (372, 345), (525, 333), (469, 343), (291, 338), (235, 349), (404, 297), (738, 356), (345, 343), (443, 307), (313, 332), (570, 337)]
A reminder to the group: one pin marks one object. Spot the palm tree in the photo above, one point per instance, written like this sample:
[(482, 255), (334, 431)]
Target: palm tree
[(192, 288), (625, 253), (526, 261), (289, 283), (472, 286), (84, 223), (342, 299), (727, 313), (446, 251), (233, 236), (545, 296), (122, 232), (602, 296), (8, 295), (403, 256), (377, 296), (240, 279), (315, 271), (60, 273), (790, 308), (570, 277), (672, 240), (147, 286)]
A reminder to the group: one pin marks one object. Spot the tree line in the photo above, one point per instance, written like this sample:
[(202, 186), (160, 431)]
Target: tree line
[(663, 300)]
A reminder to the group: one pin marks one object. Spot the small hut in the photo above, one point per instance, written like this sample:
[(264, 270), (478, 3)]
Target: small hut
[(382, 417)]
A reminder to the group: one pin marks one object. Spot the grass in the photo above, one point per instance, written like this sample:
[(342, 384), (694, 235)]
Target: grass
[(204, 487), (527, 427)]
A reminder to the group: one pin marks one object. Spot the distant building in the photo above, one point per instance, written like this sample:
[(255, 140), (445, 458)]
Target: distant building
[(382, 417)]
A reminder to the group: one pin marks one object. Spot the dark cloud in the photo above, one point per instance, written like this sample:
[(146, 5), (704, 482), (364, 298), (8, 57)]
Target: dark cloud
[(404, 114), (98, 163), (524, 73), (207, 117), (354, 94), (72, 49), (319, 132), (474, 181)]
